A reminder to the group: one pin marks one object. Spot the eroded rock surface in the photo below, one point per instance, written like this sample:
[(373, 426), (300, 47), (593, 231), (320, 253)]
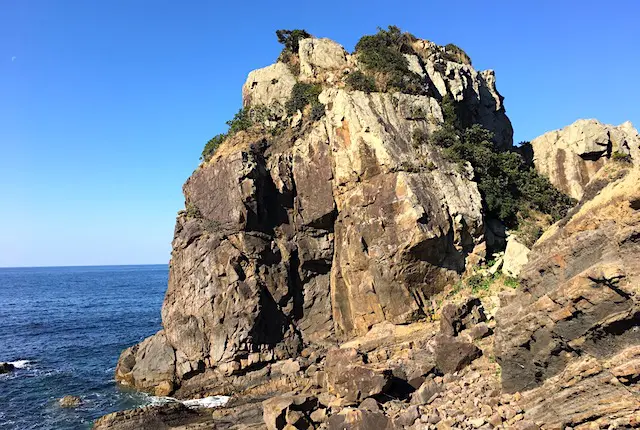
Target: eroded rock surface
[(569, 339), (316, 234), (571, 157)]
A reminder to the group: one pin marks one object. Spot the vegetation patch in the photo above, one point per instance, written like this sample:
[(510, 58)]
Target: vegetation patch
[(456, 54), (243, 120), (302, 95), (382, 54), (621, 157), (291, 41), (360, 82), (510, 188)]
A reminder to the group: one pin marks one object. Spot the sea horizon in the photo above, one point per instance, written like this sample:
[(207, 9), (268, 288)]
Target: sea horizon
[(71, 266)]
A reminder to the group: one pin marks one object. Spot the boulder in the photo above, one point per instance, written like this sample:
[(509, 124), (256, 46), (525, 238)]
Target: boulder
[(455, 317), (563, 336), (288, 410), (357, 419), (454, 353), (6, 368), (172, 415), (349, 378), (149, 366), (479, 331), (572, 156), (516, 255), (425, 392)]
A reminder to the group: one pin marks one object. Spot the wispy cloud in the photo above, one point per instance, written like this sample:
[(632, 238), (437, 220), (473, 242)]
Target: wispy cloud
[(13, 59)]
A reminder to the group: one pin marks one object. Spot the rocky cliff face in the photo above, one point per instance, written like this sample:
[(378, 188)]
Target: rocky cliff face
[(318, 264), (570, 339), (318, 233), (571, 157)]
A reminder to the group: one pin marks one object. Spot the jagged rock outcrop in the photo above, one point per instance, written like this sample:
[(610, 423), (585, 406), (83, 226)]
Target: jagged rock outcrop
[(571, 157), (570, 339), (319, 232)]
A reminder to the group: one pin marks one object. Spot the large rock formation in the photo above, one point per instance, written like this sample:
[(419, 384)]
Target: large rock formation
[(570, 339), (319, 232), (571, 157)]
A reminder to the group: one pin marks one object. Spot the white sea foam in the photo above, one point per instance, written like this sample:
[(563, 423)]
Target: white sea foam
[(206, 402), (20, 364)]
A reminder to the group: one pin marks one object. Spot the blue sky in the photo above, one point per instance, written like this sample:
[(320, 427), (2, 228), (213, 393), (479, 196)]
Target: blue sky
[(106, 105)]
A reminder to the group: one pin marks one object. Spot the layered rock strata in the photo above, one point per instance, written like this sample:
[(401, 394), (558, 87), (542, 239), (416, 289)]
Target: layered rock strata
[(572, 156), (570, 339), (316, 234)]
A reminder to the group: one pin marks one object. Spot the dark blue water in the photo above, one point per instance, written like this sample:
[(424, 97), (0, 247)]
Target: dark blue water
[(71, 323)]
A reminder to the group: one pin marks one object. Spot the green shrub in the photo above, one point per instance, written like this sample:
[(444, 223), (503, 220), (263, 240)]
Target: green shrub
[(478, 282), (244, 119), (241, 121), (511, 282), (317, 111), (211, 146), (302, 94), (360, 82), (507, 184), (192, 211), (383, 53), (419, 137), (621, 157), (456, 54), (291, 39)]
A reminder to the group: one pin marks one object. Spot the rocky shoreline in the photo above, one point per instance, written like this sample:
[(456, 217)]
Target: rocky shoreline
[(336, 267)]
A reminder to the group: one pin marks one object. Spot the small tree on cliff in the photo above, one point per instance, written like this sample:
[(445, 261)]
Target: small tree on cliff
[(291, 39)]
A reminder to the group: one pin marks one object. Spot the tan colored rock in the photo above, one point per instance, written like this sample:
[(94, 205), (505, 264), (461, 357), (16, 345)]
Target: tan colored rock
[(476, 91), (294, 410), (516, 255), (269, 85), (318, 57), (569, 336), (149, 366), (70, 402), (570, 157)]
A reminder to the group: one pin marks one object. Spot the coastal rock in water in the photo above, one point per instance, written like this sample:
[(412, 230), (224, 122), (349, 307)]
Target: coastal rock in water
[(6, 368), (572, 334), (319, 232), (148, 366), (70, 402), (571, 157)]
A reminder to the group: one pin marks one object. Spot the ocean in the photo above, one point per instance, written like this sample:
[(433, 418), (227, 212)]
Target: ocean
[(64, 328)]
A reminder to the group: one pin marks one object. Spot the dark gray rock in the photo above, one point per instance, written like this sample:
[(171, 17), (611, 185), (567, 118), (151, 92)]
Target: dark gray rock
[(453, 353), (6, 367), (456, 317)]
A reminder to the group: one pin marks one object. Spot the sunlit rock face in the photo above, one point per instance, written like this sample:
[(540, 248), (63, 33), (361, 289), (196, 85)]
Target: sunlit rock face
[(312, 235), (572, 156)]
